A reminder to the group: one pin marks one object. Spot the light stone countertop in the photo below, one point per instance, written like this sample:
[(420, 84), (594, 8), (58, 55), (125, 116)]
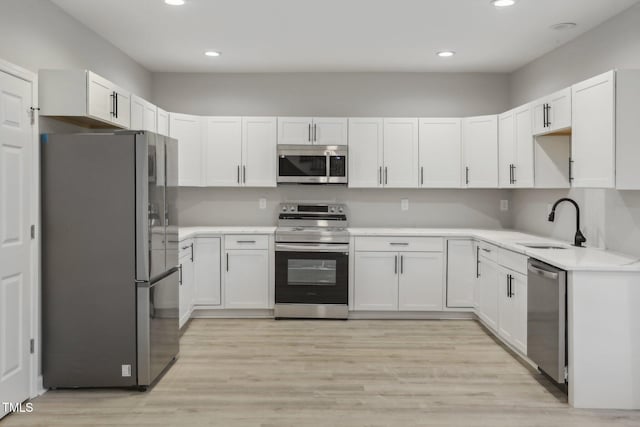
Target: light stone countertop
[(570, 259)]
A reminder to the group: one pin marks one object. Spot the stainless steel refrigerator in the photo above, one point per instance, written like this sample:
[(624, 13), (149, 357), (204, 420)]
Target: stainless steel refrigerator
[(110, 272)]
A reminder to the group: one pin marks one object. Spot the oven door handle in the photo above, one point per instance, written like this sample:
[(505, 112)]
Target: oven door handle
[(322, 247)]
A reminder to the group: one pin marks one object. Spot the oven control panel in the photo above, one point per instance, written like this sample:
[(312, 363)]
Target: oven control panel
[(313, 208)]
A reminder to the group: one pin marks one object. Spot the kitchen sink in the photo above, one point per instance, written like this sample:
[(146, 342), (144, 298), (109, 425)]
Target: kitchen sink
[(542, 246)]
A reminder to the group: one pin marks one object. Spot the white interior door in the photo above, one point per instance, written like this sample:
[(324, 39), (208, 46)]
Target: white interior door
[(15, 240)]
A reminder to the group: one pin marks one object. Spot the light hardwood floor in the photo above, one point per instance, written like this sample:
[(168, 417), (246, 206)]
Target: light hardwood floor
[(330, 373)]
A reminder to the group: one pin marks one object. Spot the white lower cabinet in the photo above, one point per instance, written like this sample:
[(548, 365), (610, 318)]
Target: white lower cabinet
[(246, 274), (488, 292), (512, 308), (398, 280), (207, 271), (187, 281), (461, 273)]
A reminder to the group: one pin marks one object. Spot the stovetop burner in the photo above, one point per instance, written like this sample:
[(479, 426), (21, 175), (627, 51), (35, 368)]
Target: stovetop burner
[(312, 222)]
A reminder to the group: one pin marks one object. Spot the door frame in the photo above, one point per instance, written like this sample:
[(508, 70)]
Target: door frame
[(35, 386)]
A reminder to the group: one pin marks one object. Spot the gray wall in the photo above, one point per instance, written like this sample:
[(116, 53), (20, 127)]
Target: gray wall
[(333, 94), (610, 218), (368, 207), (339, 94), (36, 34)]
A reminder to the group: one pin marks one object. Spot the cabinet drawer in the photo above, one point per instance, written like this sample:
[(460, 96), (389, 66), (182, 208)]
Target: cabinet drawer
[(246, 241), (512, 260), (407, 244), (488, 251)]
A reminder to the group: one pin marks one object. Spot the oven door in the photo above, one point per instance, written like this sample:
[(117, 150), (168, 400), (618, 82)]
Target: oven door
[(312, 274)]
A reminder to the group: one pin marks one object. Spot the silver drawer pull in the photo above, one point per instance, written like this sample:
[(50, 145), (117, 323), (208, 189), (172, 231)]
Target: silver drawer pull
[(185, 247), (486, 250), (245, 241), (399, 244)]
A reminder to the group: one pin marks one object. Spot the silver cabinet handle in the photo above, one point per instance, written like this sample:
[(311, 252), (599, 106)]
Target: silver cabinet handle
[(421, 175), (309, 133), (399, 243), (244, 174), (395, 265), (386, 175), (227, 261), (245, 241), (380, 175), (315, 132), (466, 174), (477, 262), (192, 252), (486, 250), (401, 264), (238, 174), (180, 275), (185, 247)]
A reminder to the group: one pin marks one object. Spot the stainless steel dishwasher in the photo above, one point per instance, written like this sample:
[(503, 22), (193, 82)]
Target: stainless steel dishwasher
[(546, 318)]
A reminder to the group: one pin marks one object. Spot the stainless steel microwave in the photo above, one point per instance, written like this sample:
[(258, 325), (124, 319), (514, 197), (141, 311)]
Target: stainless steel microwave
[(312, 164)]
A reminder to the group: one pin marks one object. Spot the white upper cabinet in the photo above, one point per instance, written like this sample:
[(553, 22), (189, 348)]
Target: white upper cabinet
[(259, 151), (295, 130), (330, 131), (440, 151), (223, 151), (515, 153), (162, 122), (83, 97), (189, 133), (309, 130), (627, 129), (143, 115), (480, 151), (400, 153), (552, 113), (365, 152)]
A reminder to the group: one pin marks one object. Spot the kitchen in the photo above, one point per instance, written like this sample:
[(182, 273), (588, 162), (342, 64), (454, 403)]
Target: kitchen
[(410, 205)]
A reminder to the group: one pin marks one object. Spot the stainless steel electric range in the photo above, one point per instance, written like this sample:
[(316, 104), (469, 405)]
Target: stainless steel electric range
[(312, 261)]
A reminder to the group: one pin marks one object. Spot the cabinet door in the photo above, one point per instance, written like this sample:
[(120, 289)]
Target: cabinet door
[(376, 281), (122, 116), (560, 110), (400, 153), (162, 122), (480, 146), (295, 130), (150, 118), (137, 113), (539, 117), (506, 320), (461, 273), (188, 131), (523, 173), (593, 133), (246, 279), (421, 281), (259, 155), (440, 151), (519, 297), (506, 148), (207, 271), (187, 285), (223, 152), (100, 93), (488, 297), (365, 152), (329, 131)]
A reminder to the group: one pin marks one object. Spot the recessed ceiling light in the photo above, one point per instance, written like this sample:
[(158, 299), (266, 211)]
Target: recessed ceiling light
[(212, 53), (174, 2), (446, 53), (503, 3), (563, 26)]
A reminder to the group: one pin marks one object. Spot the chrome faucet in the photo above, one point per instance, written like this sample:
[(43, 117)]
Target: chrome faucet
[(579, 238)]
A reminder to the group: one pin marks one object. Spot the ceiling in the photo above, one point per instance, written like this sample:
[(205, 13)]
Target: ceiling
[(337, 35)]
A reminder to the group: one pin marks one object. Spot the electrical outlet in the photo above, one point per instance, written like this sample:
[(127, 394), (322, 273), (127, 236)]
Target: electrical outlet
[(504, 205), (404, 204), (262, 202), (126, 370)]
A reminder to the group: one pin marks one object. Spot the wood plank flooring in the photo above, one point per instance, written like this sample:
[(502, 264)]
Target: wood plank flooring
[(330, 373)]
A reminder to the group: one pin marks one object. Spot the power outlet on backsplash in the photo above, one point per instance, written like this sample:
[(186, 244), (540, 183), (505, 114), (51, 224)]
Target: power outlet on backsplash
[(404, 204)]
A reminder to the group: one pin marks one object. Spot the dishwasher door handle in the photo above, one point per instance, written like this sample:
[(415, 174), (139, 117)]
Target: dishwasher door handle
[(544, 273)]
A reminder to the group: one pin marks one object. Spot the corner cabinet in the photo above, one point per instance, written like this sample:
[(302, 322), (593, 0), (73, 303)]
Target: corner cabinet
[(83, 97), (440, 150), (188, 130), (312, 130), (162, 121), (144, 115), (515, 148), (552, 113), (480, 151)]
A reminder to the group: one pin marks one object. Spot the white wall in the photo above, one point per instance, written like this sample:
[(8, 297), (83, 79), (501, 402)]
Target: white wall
[(367, 207), (610, 218), (36, 34), (332, 94)]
